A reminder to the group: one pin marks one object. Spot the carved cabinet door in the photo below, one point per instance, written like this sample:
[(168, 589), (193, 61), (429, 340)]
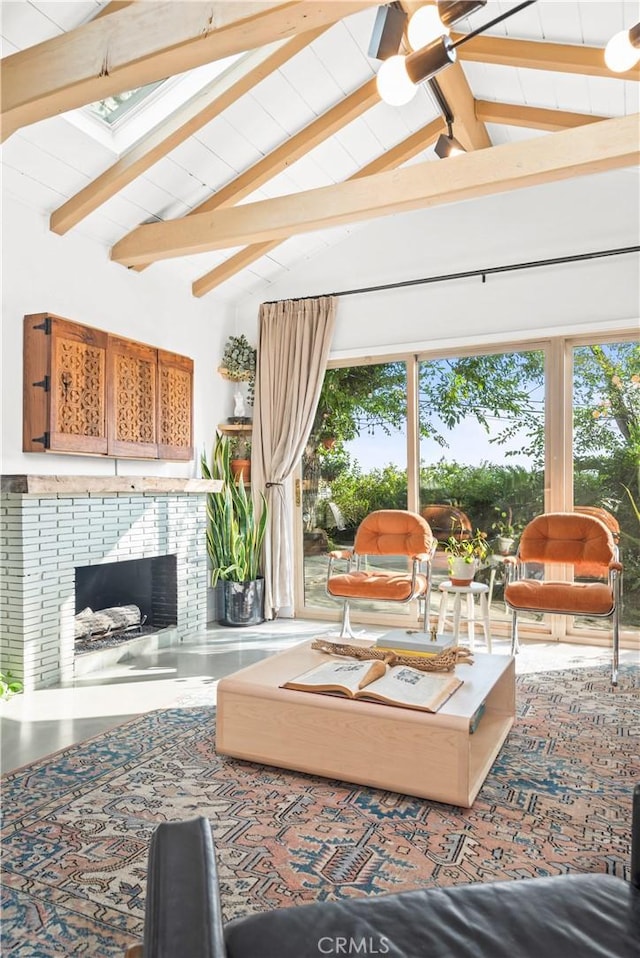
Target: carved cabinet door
[(175, 407), (77, 411), (131, 399)]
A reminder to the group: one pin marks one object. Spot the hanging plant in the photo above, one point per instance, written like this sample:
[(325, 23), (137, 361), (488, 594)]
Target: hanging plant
[(239, 363)]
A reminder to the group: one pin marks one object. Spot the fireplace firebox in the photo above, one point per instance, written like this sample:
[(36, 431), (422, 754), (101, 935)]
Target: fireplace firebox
[(150, 584)]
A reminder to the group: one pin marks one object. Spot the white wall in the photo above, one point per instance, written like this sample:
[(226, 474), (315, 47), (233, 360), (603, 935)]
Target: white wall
[(72, 276), (561, 219)]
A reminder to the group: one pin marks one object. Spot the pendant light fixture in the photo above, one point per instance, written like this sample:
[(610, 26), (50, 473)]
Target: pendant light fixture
[(399, 76), (622, 52)]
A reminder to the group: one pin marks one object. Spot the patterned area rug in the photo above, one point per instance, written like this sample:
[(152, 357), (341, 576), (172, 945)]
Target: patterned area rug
[(77, 825)]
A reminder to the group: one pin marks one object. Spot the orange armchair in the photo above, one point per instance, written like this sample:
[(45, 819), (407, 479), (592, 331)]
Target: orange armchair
[(567, 538), (384, 532)]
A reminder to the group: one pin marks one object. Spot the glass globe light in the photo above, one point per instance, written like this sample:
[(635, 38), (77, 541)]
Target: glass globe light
[(394, 85), (620, 54), (424, 26)]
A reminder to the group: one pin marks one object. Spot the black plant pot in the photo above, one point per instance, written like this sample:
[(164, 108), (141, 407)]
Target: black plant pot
[(242, 603)]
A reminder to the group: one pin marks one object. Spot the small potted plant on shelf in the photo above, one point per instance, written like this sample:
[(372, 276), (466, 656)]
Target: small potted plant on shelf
[(239, 363), (240, 462), (465, 555)]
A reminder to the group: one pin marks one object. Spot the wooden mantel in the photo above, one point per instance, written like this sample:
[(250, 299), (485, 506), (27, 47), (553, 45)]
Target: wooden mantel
[(103, 485)]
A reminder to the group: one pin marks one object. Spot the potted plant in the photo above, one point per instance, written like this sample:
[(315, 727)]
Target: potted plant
[(239, 363), (234, 541), (240, 462), (464, 556), (506, 531)]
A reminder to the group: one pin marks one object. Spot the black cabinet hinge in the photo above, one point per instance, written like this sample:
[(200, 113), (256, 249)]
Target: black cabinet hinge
[(45, 325), (44, 384), (44, 439)]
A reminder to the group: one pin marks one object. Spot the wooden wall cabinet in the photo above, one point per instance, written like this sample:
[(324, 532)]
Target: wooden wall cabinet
[(88, 392)]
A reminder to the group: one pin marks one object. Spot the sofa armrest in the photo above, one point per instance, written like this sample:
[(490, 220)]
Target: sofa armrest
[(183, 917)]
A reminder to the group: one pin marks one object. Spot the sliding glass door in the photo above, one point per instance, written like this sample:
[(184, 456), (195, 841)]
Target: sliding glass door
[(606, 448), (490, 439), (355, 462)]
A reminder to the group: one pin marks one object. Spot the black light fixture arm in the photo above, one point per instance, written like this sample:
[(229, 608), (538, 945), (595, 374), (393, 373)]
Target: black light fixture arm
[(491, 23)]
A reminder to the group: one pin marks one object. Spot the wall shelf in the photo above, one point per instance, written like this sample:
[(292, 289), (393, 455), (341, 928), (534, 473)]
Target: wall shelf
[(235, 428)]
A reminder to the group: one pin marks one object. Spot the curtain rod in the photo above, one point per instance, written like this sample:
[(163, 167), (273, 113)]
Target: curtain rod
[(490, 270)]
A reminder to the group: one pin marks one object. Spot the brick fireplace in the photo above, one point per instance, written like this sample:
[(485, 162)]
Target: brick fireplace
[(51, 526)]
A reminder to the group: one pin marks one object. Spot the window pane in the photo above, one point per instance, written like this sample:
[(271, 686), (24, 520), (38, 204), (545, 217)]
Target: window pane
[(606, 449), (482, 456), (355, 462)]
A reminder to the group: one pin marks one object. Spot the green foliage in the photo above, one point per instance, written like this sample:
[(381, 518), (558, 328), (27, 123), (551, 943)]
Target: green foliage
[(234, 534), (9, 686), (239, 362), (475, 547)]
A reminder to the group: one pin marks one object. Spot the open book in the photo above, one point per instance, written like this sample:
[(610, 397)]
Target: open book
[(373, 680)]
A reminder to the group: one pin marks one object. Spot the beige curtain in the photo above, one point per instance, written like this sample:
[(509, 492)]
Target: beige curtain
[(294, 341)]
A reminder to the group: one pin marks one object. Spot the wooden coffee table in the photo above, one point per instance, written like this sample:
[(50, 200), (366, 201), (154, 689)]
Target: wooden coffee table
[(404, 750)]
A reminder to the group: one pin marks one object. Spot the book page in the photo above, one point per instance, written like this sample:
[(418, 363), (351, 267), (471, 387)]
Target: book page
[(413, 689), (347, 675)]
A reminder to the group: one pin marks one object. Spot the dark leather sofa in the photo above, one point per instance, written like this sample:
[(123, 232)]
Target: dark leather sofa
[(568, 916)]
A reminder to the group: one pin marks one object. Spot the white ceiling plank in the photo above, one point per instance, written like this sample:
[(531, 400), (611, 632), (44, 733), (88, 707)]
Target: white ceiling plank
[(30, 191), (342, 58), (337, 162), (310, 78), (600, 20), (66, 15), (253, 122), (23, 25), (42, 166), (538, 87), (572, 91), (178, 182), (281, 100), (560, 21), (607, 96), (307, 175), (66, 142), (360, 141), (386, 124), (229, 144), (198, 160), (151, 197)]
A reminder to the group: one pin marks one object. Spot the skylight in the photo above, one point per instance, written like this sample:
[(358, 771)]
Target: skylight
[(114, 107)]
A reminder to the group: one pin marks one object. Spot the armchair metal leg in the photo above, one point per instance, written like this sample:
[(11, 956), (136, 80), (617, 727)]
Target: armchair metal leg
[(616, 648), (346, 631), (515, 646)]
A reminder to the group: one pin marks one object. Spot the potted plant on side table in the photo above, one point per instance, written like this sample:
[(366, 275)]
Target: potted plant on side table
[(465, 555), (234, 541)]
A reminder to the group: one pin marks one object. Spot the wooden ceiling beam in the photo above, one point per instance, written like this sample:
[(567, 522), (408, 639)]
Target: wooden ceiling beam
[(535, 55), (607, 145), (145, 42), (532, 117), (291, 150), (468, 128), (390, 160), (205, 106)]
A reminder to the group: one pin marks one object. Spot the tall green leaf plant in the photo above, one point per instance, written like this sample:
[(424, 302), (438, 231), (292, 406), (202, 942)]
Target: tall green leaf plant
[(234, 533)]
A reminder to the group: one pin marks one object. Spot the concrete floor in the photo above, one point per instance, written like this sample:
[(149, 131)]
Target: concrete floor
[(39, 723)]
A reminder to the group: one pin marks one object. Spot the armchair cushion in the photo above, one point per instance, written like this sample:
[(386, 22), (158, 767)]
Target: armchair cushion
[(374, 584), (572, 598)]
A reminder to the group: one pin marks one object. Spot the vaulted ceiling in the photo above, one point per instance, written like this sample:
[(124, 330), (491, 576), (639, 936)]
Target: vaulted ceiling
[(226, 181)]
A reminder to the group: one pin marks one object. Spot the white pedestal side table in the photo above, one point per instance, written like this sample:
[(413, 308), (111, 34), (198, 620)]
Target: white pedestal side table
[(470, 591)]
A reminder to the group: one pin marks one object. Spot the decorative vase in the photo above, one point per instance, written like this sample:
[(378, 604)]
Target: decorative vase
[(462, 572), (242, 603)]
